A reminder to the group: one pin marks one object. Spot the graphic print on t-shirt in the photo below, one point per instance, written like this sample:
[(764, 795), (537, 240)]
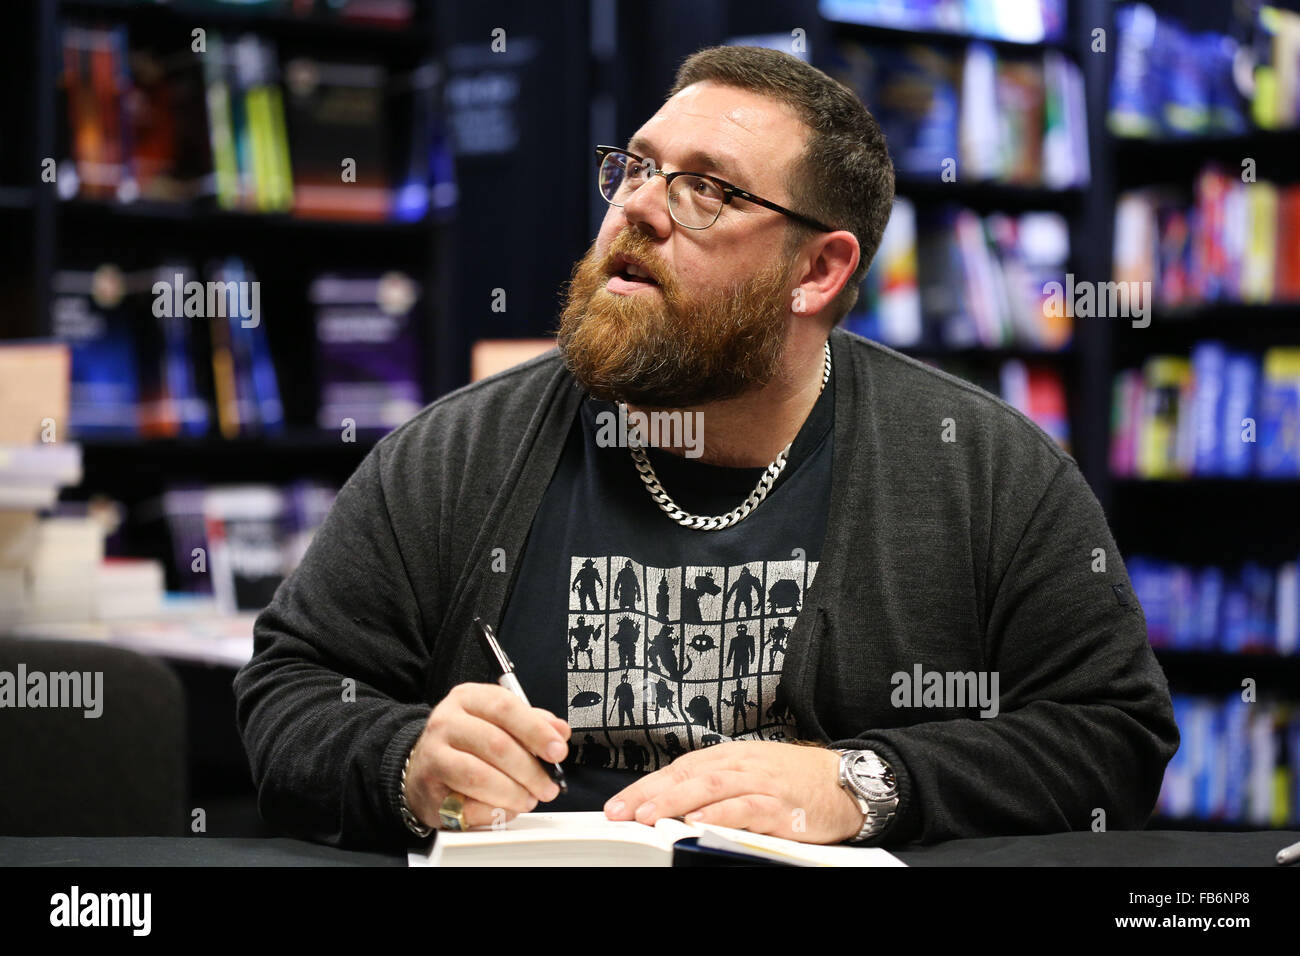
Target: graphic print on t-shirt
[(661, 661)]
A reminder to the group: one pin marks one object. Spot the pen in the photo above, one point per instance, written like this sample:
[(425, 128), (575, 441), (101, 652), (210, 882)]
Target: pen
[(510, 682), (1288, 855)]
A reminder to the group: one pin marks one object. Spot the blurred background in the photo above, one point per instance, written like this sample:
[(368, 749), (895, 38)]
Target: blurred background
[(244, 240)]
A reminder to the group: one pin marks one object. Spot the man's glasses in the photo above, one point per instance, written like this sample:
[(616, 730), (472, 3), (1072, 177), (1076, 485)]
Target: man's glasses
[(694, 200)]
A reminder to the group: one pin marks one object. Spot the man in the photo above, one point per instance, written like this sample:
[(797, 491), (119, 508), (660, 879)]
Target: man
[(961, 558)]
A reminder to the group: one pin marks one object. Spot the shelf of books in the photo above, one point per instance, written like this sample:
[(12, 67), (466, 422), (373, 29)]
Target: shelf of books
[(234, 211), (984, 112), (1205, 416)]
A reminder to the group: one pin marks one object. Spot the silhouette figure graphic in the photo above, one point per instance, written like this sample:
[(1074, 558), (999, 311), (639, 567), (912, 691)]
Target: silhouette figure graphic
[(582, 634), (627, 589), (746, 589), (701, 712), (635, 756), (778, 636), (741, 653), (661, 598), (625, 638), (738, 702), (625, 701), (584, 585)]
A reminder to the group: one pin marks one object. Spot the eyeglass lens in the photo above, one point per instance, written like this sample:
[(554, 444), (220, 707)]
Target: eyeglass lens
[(693, 201)]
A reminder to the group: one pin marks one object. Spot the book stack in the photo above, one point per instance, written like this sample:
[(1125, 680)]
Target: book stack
[(1236, 242), (1219, 413), (982, 117), (1238, 762), (954, 280), (52, 564), (1250, 608)]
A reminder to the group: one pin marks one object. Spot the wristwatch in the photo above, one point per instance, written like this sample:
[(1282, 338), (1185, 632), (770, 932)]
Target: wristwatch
[(869, 781)]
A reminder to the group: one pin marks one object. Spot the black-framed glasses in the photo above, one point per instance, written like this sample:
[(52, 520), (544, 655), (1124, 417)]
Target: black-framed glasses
[(694, 199)]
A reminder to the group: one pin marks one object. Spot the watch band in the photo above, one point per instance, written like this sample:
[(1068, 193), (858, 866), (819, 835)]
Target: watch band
[(878, 808), (412, 822)]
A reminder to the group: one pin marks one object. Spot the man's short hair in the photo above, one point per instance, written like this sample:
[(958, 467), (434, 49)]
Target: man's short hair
[(844, 177)]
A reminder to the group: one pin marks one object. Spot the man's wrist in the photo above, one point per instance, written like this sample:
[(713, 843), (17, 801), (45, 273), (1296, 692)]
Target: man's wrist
[(869, 781), (409, 818)]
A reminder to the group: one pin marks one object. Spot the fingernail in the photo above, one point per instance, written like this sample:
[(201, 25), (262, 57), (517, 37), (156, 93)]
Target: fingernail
[(615, 808), (695, 815), (552, 792), (556, 751), (532, 803), (645, 810)]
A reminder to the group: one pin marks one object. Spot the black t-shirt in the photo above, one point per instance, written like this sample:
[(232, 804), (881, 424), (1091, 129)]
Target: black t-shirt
[(649, 638)]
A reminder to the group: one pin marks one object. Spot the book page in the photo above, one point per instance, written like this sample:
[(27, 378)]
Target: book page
[(566, 827), (790, 851)]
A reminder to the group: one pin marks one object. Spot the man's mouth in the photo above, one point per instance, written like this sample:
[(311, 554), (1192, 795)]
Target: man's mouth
[(633, 273)]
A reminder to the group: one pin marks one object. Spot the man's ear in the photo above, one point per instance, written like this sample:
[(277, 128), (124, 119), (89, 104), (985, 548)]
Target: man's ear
[(832, 258)]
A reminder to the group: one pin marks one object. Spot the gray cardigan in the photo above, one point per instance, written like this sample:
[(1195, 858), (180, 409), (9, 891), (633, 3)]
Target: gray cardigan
[(960, 538)]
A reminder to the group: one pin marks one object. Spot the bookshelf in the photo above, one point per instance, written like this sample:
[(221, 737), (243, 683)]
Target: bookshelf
[(1201, 528), (49, 232)]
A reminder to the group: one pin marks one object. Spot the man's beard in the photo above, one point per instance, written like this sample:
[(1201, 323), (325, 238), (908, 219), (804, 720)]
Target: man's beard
[(668, 350)]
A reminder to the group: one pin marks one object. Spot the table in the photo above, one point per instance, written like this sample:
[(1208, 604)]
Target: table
[(1156, 848)]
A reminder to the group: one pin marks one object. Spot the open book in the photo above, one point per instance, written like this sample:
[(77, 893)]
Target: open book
[(589, 839)]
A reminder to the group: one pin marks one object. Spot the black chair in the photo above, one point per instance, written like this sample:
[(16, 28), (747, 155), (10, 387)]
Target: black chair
[(122, 773)]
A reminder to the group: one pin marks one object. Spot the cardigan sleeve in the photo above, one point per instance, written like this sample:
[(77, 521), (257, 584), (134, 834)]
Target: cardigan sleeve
[(330, 703), (1084, 723)]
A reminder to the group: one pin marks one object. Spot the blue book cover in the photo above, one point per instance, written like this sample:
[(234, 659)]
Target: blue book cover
[(1278, 455), (1209, 600), (1240, 381), (1235, 635), (1134, 90), (1258, 581), (1212, 784), (1236, 748), (88, 314), (1182, 607), (1209, 360)]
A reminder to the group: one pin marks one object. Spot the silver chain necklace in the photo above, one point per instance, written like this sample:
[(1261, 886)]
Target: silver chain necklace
[(707, 522)]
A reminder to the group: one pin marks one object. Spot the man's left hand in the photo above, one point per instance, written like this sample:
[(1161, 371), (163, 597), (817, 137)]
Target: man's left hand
[(784, 790)]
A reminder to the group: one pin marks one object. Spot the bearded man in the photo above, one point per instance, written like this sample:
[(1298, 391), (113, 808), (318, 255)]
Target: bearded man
[(930, 542)]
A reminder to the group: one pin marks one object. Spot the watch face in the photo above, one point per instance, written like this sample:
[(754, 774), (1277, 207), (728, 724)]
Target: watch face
[(874, 777), (870, 764)]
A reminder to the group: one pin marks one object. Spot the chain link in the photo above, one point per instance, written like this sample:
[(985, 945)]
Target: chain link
[(716, 522)]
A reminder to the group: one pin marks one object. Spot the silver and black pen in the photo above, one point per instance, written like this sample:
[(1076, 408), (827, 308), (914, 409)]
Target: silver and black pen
[(510, 682)]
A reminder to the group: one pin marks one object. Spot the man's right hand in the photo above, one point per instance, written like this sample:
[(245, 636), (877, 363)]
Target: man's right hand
[(484, 742)]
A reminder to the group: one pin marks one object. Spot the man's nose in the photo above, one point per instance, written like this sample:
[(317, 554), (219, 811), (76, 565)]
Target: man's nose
[(648, 204)]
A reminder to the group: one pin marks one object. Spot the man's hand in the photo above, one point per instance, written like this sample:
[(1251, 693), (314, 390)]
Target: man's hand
[(484, 742), (784, 790)]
